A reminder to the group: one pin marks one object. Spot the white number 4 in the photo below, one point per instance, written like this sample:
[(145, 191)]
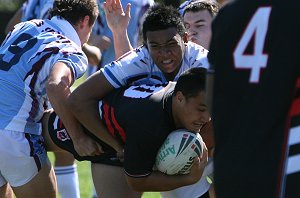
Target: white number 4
[(258, 26)]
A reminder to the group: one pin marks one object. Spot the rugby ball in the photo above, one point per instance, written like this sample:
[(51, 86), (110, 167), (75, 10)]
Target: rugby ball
[(178, 151)]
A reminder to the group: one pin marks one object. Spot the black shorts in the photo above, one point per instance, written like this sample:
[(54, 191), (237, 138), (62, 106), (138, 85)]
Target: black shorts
[(61, 138)]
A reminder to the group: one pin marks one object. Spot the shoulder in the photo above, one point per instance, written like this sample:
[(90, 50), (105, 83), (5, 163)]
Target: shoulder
[(195, 56), (193, 49)]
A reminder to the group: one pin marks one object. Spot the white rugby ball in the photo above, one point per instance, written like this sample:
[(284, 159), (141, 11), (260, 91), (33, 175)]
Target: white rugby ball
[(178, 151)]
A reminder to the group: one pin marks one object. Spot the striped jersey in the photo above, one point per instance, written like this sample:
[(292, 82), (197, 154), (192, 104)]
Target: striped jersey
[(137, 66), (36, 9), (26, 59)]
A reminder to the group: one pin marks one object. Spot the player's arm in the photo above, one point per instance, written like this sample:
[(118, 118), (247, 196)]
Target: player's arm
[(58, 90), (93, 53), (83, 103), (118, 21), (159, 181)]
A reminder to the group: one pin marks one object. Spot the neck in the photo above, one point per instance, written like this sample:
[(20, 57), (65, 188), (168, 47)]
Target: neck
[(171, 76)]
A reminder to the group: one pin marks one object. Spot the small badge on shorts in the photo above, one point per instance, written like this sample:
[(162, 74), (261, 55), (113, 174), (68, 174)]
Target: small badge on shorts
[(62, 135)]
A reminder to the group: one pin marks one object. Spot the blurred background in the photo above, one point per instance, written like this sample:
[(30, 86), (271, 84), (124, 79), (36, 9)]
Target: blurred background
[(9, 7), (7, 10)]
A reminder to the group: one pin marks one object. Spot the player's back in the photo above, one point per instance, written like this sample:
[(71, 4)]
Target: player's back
[(257, 74), (25, 64)]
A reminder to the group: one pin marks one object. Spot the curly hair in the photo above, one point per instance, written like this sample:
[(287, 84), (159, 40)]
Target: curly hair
[(160, 17), (75, 10)]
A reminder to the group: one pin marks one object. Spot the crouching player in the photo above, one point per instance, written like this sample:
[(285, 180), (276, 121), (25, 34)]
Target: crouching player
[(140, 118)]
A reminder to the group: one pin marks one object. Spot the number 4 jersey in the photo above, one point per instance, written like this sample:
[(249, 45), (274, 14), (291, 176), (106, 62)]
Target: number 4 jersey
[(26, 59), (256, 106)]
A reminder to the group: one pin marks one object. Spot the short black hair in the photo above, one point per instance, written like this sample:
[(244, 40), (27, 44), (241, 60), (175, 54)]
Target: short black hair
[(191, 82), (75, 10), (161, 17), (210, 5)]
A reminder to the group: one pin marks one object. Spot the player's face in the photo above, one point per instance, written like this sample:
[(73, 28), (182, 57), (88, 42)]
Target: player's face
[(198, 25), (166, 48), (191, 113)]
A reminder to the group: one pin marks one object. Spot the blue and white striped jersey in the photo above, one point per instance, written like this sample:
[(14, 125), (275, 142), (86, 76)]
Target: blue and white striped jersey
[(137, 67), (36, 9), (26, 59)]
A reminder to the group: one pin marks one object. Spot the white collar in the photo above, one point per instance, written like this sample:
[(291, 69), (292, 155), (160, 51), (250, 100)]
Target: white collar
[(67, 29)]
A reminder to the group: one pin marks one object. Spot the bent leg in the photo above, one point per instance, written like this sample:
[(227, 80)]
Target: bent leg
[(110, 181)]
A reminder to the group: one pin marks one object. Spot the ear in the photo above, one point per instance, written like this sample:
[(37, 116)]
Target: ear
[(84, 22), (179, 96), (185, 37)]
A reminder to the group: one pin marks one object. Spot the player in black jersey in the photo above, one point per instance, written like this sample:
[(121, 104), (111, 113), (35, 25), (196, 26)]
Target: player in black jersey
[(256, 102), (141, 117)]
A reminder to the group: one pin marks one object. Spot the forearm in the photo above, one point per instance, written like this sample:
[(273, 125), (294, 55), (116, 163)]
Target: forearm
[(83, 103), (121, 43), (58, 92)]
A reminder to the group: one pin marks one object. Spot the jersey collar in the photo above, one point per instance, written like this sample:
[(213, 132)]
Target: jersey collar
[(67, 29)]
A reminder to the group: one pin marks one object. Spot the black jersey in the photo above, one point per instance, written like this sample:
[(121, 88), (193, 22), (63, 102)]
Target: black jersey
[(139, 116), (256, 107)]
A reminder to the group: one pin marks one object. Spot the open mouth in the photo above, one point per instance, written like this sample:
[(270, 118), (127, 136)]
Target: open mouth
[(169, 61)]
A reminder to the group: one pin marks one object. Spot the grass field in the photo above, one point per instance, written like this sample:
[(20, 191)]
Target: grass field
[(85, 180)]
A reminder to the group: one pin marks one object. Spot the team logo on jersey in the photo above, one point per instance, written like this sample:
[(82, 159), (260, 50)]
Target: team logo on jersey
[(62, 135)]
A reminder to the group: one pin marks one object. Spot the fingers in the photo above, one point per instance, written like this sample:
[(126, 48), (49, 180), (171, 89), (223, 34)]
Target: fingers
[(118, 4), (112, 6), (128, 8), (120, 155), (204, 157), (99, 148)]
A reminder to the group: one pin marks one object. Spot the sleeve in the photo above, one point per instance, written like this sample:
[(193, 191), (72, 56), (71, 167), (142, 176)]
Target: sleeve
[(68, 53), (197, 56), (76, 60), (131, 64)]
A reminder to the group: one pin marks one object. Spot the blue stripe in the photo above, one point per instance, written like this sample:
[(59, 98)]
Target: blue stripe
[(108, 72)]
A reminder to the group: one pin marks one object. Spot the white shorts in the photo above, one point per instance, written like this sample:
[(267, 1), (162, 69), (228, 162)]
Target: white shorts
[(21, 157)]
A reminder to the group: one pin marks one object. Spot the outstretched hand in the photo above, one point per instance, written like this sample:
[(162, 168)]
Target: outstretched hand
[(116, 19)]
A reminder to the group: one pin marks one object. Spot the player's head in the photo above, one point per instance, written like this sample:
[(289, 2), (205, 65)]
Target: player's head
[(80, 13), (188, 104), (197, 17), (164, 35)]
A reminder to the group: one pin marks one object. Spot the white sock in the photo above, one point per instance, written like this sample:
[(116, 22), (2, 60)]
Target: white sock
[(67, 181)]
